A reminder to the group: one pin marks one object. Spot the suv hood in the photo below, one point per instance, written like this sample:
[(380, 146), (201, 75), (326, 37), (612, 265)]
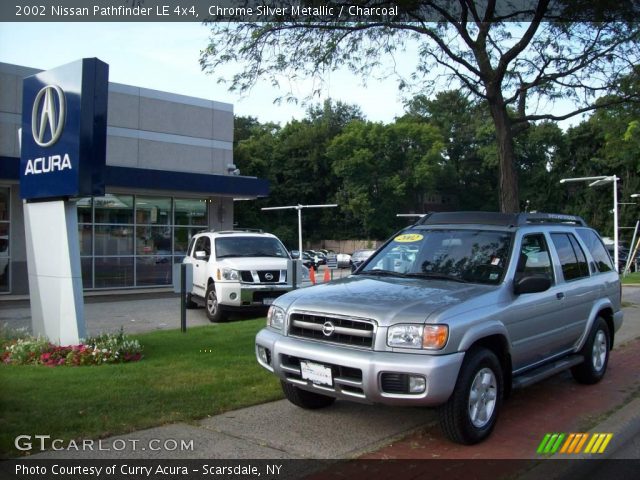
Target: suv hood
[(254, 263), (387, 300)]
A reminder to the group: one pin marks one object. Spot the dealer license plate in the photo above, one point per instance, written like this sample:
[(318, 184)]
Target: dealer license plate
[(267, 301), (316, 373)]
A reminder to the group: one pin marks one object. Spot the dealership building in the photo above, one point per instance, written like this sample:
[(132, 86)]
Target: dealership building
[(169, 174)]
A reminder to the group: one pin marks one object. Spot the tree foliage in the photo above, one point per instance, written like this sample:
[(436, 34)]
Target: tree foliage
[(520, 58)]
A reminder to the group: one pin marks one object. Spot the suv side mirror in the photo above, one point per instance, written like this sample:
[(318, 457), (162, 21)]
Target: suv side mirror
[(295, 254), (201, 255), (531, 284)]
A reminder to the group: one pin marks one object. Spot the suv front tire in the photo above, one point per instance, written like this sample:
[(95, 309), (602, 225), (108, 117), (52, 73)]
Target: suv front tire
[(212, 306), (471, 412)]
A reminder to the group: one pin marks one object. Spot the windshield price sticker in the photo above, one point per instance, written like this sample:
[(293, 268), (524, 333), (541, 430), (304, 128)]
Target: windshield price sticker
[(316, 373), (408, 238)]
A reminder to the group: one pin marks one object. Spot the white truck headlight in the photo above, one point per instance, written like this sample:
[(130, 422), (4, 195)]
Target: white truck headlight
[(228, 274), (275, 317), (430, 337)]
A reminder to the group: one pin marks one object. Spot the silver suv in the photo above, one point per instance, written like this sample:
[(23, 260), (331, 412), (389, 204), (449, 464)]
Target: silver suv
[(236, 270), (452, 312)]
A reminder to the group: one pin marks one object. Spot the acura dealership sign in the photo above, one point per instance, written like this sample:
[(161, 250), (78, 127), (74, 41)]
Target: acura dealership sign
[(62, 157), (64, 129)]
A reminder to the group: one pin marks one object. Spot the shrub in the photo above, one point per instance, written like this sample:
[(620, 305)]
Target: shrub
[(105, 348)]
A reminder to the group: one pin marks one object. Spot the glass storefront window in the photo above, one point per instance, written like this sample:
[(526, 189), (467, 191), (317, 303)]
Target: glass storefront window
[(4, 204), (190, 212), (4, 257), (5, 227), (86, 265), (153, 270), (153, 210), (114, 240), (181, 238), (153, 240), (114, 209), (84, 236), (84, 210), (131, 240), (113, 272)]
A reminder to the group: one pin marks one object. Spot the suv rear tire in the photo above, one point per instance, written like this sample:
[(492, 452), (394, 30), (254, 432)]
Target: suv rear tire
[(212, 307), (596, 355), (305, 399), (471, 412)]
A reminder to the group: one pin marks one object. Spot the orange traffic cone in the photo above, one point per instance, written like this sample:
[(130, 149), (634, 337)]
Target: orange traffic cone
[(312, 275), (326, 275)]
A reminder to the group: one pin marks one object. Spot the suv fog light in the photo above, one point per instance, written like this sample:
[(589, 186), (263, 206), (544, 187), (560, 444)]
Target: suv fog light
[(233, 296), (417, 384), (265, 355)]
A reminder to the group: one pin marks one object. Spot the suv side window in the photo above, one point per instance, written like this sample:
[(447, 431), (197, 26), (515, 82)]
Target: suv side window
[(203, 244), (534, 257), (596, 247), (572, 258)]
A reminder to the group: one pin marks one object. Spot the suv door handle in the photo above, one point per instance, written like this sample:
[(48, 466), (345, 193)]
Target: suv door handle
[(559, 295)]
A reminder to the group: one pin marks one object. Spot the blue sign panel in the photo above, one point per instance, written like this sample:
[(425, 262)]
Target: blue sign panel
[(64, 131)]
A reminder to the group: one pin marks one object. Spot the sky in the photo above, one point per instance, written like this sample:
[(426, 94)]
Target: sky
[(164, 56)]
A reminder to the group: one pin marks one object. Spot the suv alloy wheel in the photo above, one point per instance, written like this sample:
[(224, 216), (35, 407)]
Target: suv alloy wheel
[(471, 412)]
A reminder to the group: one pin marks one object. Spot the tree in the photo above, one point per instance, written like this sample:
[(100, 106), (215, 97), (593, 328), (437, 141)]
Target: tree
[(516, 61), (384, 170)]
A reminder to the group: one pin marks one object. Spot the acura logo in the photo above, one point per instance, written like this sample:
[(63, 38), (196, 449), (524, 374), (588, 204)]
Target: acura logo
[(328, 328), (268, 276), (48, 115)]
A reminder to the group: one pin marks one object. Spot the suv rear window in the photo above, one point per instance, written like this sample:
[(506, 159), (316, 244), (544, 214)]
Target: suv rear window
[(596, 247), (572, 259)]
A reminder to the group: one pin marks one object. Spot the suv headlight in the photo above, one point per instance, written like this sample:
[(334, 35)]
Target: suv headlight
[(430, 337), (228, 274), (275, 317)]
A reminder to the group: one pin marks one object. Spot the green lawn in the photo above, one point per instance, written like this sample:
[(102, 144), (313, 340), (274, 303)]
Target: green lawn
[(631, 279), (182, 377)]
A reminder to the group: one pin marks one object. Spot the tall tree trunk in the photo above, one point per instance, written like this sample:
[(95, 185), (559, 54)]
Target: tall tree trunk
[(508, 175)]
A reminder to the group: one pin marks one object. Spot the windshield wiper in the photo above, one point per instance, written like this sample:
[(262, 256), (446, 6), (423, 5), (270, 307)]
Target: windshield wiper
[(438, 276)]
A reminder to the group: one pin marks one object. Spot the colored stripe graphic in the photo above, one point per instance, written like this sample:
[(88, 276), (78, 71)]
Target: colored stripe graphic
[(573, 443)]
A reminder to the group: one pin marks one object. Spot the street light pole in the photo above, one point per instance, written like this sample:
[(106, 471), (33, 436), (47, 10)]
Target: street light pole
[(596, 182), (299, 209)]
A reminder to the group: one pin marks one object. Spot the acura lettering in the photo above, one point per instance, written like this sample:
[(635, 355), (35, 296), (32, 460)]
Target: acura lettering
[(53, 163)]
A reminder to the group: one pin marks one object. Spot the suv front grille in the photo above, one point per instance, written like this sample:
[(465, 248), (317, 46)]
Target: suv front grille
[(269, 276), (263, 276), (357, 333)]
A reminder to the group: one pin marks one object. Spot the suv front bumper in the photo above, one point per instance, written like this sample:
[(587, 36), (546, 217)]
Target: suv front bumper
[(237, 294), (357, 374)]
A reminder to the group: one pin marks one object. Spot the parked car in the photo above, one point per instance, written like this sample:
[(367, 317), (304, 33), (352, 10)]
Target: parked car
[(453, 312), (317, 257), (359, 256), (236, 270), (309, 261), (344, 260)]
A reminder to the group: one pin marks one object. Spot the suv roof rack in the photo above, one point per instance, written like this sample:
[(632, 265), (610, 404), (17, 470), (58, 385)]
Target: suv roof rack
[(241, 230), (499, 219)]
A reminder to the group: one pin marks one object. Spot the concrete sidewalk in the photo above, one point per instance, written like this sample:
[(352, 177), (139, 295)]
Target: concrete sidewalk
[(280, 430)]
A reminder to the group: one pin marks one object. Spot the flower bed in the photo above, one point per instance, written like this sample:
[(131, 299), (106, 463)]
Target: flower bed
[(106, 348)]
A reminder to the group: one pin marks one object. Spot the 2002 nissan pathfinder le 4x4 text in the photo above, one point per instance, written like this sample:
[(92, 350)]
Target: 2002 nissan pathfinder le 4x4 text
[(453, 312)]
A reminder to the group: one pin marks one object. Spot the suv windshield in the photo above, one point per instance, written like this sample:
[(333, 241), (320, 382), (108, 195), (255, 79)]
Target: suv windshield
[(476, 256), (249, 247)]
